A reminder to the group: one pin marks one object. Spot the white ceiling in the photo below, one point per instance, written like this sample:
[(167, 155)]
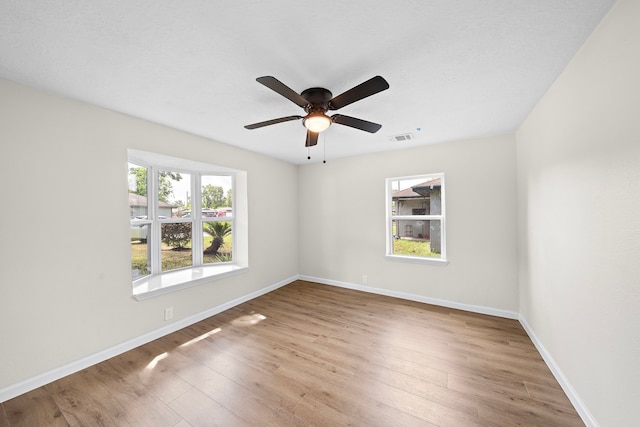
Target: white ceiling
[(456, 68)]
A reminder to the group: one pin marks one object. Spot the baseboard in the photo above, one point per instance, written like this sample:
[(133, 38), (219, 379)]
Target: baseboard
[(55, 374), (580, 407), (418, 298)]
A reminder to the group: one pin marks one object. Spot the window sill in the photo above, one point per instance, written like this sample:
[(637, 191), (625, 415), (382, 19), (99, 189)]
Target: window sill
[(417, 260), (161, 284)]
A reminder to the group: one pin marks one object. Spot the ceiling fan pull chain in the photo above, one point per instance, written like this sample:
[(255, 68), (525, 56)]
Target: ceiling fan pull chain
[(324, 148)]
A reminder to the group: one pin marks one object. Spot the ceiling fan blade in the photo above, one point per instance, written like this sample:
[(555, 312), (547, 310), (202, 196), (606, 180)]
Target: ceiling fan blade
[(284, 90), (312, 139), (272, 122), (356, 123), (370, 87)]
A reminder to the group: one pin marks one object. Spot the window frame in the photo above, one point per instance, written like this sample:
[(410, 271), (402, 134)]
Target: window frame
[(390, 217), (159, 282)]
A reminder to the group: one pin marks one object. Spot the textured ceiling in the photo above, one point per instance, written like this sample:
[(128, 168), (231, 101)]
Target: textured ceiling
[(457, 68)]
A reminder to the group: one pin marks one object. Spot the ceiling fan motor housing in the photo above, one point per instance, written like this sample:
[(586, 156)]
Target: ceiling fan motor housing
[(318, 98)]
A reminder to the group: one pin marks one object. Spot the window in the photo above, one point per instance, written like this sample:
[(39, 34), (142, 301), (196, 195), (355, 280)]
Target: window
[(416, 218), (187, 222)]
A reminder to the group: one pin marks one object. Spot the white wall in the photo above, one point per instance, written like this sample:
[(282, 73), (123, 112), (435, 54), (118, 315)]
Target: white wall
[(579, 220), (342, 222), (66, 293)]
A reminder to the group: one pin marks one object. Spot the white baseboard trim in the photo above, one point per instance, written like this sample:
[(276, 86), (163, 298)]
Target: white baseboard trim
[(55, 374), (578, 404), (418, 298)]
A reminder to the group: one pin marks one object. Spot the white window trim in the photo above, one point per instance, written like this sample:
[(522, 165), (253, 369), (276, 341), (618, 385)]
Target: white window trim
[(389, 218), (160, 283)]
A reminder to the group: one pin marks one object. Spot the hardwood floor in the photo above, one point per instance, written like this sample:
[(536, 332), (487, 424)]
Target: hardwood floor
[(310, 354)]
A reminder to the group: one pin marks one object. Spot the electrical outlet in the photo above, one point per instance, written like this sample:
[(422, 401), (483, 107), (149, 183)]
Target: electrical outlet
[(365, 279), (168, 313)]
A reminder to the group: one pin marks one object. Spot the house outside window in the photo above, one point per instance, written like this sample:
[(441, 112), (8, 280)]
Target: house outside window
[(183, 222), (416, 217)]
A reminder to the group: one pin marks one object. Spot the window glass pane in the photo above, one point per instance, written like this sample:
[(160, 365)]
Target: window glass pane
[(174, 199), (137, 178), (417, 238), (176, 245), (139, 251), (216, 196), (416, 197), (435, 237), (217, 242)]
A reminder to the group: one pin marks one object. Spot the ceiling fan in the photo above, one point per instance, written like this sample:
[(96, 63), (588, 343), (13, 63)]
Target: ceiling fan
[(316, 101)]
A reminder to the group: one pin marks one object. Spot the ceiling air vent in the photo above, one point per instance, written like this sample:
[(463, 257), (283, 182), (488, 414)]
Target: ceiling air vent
[(401, 137)]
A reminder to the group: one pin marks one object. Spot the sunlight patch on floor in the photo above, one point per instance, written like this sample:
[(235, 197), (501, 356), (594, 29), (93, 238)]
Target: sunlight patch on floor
[(156, 359), (201, 337), (248, 320)]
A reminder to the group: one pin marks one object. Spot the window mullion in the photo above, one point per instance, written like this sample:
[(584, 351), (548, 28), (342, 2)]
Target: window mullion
[(196, 217), (156, 234), (233, 222), (416, 217)]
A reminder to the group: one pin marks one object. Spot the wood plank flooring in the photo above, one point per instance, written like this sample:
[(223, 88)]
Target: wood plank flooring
[(311, 354)]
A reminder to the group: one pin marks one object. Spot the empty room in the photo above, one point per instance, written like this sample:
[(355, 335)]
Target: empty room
[(340, 213)]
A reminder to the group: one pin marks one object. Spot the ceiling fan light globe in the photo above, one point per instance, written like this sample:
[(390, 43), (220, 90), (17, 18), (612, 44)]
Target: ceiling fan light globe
[(317, 122)]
